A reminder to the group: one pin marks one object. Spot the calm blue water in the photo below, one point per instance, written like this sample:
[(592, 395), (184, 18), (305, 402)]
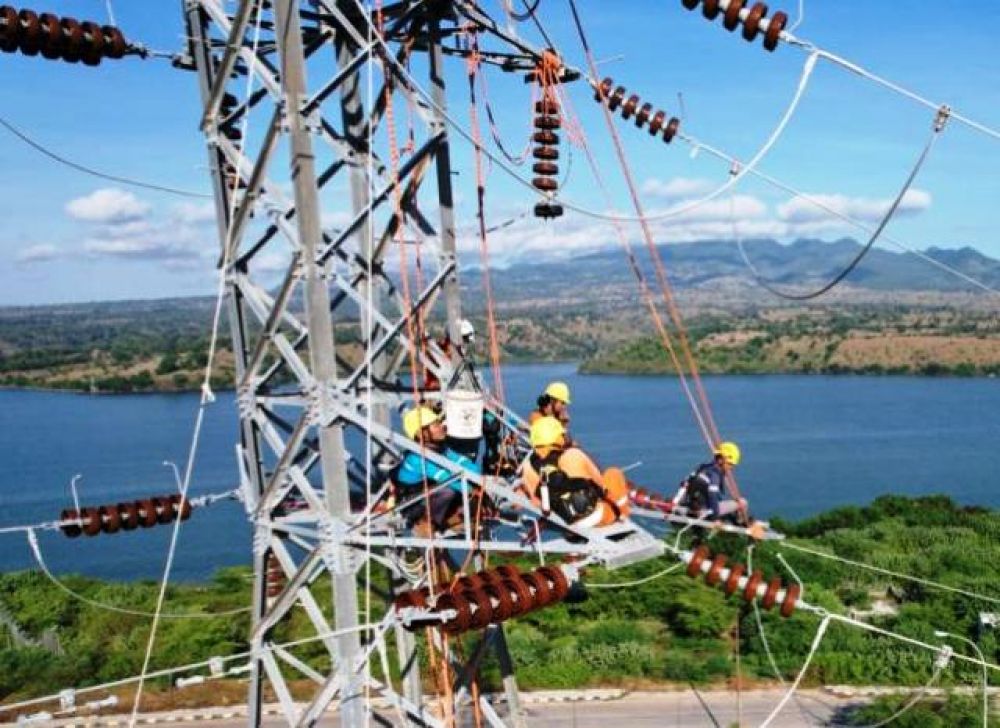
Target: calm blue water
[(809, 443)]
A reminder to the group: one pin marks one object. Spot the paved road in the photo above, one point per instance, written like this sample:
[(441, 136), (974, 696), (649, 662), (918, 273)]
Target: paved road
[(637, 710)]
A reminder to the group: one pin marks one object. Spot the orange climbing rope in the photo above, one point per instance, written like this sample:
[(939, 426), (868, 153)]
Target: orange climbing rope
[(658, 265), (472, 64)]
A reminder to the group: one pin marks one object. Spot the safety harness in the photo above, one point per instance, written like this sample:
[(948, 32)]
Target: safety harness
[(570, 498)]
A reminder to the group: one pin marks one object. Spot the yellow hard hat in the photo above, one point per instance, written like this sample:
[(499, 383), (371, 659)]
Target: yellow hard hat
[(729, 452), (547, 432), (558, 390), (418, 418)]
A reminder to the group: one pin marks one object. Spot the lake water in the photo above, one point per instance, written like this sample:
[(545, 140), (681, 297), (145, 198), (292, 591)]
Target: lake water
[(809, 443)]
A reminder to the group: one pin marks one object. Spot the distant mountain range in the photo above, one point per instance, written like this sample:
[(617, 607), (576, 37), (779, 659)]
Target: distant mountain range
[(800, 265)]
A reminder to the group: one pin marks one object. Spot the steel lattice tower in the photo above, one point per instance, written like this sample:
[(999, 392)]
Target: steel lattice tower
[(304, 189)]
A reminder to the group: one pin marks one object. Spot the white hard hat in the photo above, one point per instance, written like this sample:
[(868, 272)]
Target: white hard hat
[(466, 329)]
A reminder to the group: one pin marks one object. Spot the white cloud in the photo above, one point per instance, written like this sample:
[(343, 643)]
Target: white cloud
[(194, 213), (863, 209), (109, 205), (37, 253), (675, 188)]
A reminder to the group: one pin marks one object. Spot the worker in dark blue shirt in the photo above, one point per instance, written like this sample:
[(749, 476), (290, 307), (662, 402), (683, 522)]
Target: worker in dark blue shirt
[(702, 492)]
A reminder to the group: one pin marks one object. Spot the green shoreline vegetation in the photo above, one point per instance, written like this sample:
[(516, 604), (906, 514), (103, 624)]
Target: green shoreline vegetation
[(163, 350), (668, 631)]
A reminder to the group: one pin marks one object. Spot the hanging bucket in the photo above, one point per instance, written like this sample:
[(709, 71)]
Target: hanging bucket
[(463, 411)]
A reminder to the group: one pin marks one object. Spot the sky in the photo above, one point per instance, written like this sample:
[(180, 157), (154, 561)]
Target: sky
[(66, 236)]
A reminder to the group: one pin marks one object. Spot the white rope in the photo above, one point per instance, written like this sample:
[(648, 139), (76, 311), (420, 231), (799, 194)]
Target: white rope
[(894, 574), (37, 551), (207, 397), (802, 672), (637, 582)]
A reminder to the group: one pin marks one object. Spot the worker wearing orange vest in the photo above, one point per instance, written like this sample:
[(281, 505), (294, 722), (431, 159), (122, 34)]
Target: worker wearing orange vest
[(565, 481)]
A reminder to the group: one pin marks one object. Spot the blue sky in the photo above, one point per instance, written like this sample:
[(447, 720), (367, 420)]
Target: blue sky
[(68, 237)]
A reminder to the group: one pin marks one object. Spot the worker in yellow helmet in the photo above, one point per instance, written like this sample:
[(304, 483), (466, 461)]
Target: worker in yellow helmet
[(416, 472), (702, 492), (564, 480), (554, 402)]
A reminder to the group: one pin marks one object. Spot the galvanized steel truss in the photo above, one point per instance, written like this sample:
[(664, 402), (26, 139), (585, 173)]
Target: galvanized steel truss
[(316, 120)]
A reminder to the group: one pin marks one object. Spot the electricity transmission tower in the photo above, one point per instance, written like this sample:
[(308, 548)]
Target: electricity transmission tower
[(299, 102)]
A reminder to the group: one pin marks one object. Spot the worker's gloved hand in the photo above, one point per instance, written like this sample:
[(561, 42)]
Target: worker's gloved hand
[(757, 530)]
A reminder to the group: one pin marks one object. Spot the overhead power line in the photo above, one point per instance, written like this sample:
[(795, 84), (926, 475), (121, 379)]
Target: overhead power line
[(39, 147)]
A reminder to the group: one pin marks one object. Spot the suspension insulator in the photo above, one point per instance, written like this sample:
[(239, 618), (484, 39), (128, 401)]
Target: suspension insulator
[(93, 42), (503, 602), (69, 522), (750, 590), (545, 137), (615, 100), (111, 520), (771, 594), (710, 9), (558, 583), (657, 122), (691, 4), (52, 36), (547, 106), (751, 26), (549, 169), (72, 40), (129, 514), (180, 507), (731, 20), (539, 585), (482, 607), (523, 599), (628, 108), (548, 210), (775, 26), (147, 513), (29, 33), (413, 598), (506, 571), (548, 122), (715, 571), (461, 621), (733, 582), (671, 131), (694, 565), (91, 521), (545, 184), (164, 510), (603, 90), (791, 600), (9, 29), (642, 116), (545, 152), (114, 42), (274, 576)]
